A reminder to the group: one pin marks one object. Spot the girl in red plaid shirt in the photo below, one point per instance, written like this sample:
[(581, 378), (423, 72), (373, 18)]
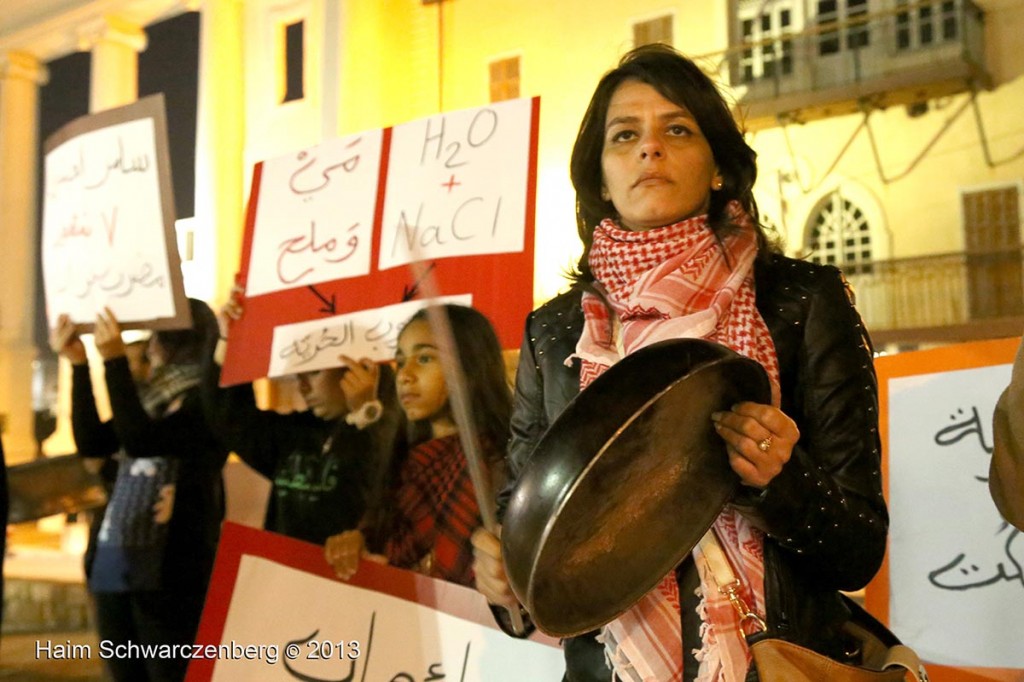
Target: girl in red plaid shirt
[(426, 511)]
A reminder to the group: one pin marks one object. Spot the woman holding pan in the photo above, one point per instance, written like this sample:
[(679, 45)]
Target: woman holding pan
[(673, 249)]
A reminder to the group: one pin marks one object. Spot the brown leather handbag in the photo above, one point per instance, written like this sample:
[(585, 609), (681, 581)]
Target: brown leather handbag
[(882, 657)]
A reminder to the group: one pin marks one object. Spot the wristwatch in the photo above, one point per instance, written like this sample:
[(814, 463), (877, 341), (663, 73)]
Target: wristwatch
[(367, 414)]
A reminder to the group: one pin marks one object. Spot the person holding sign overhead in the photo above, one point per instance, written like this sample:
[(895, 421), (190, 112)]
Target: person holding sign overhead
[(673, 249), (158, 538), (425, 508), (318, 462)]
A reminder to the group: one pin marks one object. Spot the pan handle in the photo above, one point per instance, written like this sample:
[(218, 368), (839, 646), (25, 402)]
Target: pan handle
[(458, 396)]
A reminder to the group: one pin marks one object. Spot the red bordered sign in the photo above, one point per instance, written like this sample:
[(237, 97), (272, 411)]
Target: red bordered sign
[(331, 232), (275, 611)]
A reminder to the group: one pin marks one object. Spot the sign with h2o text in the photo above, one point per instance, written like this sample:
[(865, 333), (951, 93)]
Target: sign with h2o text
[(331, 231), (457, 185)]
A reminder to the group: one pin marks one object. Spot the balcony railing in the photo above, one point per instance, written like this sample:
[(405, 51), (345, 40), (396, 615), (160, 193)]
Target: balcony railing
[(954, 296), (910, 53)]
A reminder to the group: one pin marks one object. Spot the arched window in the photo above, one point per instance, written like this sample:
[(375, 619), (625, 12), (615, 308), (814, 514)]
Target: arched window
[(839, 233)]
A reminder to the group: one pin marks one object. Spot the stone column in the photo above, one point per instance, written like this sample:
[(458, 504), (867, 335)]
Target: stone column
[(220, 143), (21, 75), (115, 45)]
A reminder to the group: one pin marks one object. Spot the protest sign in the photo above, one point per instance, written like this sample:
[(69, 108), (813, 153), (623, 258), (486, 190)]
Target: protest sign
[(276, 612), (108, 220), (331, 231), (952, 585)]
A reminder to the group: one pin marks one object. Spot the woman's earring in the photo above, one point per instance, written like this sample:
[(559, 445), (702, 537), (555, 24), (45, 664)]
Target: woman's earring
[(717, 184)]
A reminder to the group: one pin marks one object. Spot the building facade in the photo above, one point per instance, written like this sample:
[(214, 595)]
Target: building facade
[(888, 131)]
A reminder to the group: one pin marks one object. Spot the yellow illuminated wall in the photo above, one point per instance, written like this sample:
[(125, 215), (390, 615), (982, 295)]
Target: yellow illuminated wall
[(392, 63)]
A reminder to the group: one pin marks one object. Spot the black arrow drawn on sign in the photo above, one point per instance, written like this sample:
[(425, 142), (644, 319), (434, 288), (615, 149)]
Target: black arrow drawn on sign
[(409, 293), (328, 308)]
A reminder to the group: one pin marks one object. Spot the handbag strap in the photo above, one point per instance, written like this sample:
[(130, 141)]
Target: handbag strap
[(725, 579), (897, 656)]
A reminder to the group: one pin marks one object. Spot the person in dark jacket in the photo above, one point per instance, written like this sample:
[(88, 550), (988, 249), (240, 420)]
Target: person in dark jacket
[(157, 542), (319, 462), (673, 249)]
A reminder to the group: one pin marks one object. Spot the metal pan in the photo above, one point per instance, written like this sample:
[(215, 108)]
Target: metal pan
[(624, 483)]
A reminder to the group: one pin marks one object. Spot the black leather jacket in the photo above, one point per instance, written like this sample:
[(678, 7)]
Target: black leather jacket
[(824, 515)]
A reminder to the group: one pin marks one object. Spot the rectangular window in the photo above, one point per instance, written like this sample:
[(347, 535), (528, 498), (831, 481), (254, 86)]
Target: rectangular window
[(857, 33), (992, 237), (931, 24), (747, 56), (828, 43), (748, 72), (504, 79), (653, 31), (787, 45), (843, 26), (902, 27), (294, 55), (767, 50), (950, 25), (926, 33), (828, 39)]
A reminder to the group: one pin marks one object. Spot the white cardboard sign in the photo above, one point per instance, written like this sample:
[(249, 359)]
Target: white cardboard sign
[(316, 344), (957, 585), (107, 224), (457, 185), (315, 212)]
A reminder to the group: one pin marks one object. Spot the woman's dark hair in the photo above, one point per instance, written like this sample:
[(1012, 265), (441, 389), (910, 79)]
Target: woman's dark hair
[(483, 370), (186, 346), (679, 80)]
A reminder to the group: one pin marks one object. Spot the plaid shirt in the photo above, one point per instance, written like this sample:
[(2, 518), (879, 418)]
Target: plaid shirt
[(436, 512)]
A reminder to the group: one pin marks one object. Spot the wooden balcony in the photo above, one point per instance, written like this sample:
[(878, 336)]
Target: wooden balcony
[(906, 55), (944, 298)]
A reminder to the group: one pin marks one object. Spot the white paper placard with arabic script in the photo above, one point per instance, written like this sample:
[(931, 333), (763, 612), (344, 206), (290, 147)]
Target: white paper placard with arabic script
[(956, 579), (316, 344), (340, 632), (108, 236), (314, 216), (457, 184)]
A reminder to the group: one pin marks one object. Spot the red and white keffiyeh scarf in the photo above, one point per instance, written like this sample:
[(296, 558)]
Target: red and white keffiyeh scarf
[(674, 282)]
